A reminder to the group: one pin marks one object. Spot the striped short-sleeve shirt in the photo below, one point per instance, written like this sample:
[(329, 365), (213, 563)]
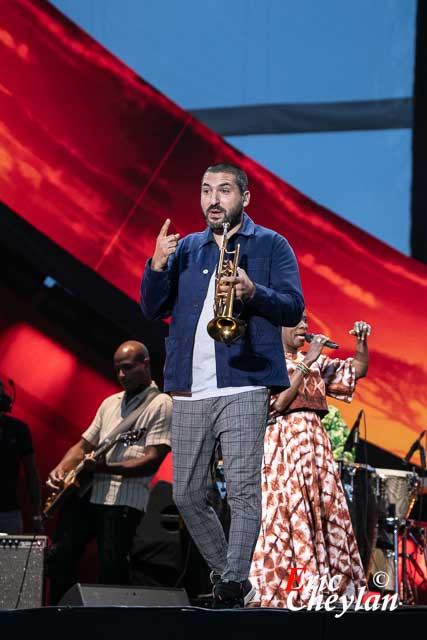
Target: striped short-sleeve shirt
[(156, 418)]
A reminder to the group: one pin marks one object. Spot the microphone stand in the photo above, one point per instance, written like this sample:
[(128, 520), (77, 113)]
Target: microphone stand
[(406, 593), (422, 453), (353, 438), (416, 445)]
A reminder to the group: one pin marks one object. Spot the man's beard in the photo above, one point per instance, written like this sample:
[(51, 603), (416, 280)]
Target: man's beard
[(233, 217)]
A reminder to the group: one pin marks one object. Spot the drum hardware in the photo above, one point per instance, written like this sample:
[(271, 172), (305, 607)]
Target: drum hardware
[(353, 438), (405, 560), (380, 502), (360, 484), (394, 524), (388, 556), (414, 562), (398, 491), (421, 532), (407, 594), (423, 486)]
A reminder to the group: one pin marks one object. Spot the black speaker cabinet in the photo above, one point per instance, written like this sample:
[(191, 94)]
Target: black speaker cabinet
[(22, 571), (156, 557), (99, 595)]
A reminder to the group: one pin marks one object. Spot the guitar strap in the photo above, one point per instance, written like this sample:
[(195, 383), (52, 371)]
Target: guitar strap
[(127, 423)]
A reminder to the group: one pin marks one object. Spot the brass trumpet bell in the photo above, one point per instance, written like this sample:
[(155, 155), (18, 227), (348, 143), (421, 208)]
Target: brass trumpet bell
[(225, 329)]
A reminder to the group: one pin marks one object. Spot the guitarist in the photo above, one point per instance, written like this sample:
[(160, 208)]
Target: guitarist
[(112, 509)]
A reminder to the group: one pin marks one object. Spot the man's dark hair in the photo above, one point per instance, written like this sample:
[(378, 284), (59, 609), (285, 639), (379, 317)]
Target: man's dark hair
[(237, 172)]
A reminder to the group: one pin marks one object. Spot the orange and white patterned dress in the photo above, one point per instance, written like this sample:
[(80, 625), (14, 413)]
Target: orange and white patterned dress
[(305, 522)]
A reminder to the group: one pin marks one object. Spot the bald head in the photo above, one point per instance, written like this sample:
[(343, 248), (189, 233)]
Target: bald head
[(132, 348), (132, 366)]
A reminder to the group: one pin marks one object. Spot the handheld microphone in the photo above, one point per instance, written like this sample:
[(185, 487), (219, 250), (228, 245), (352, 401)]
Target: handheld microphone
[(332, 345), (353, 436), (416, 445)]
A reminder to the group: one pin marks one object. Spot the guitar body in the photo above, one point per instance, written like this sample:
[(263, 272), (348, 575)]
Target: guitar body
[(74, 483)]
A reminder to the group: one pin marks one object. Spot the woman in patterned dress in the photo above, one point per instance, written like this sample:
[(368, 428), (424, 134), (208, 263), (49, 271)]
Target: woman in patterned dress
[(306, 522)]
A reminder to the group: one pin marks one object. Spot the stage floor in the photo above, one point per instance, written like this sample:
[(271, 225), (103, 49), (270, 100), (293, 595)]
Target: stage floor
[(158, 623)]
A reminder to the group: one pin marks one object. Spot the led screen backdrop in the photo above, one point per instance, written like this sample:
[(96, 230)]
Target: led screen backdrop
[(96, 159), (59, 382)]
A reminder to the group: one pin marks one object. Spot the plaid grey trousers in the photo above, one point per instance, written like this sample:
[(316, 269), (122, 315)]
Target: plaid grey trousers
[(239, 421)]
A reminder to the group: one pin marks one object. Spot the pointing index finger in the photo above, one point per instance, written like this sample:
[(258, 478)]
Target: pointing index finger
[(165, 227)]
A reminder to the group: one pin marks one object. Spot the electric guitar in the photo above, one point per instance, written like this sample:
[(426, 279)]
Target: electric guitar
[(79, 480)]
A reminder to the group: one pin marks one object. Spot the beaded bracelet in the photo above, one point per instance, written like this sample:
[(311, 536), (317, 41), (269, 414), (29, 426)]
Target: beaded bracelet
[(302, 367)]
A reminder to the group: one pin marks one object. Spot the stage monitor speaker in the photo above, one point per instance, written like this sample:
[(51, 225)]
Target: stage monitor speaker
[(163, 553), (99, 595), (22, 571)]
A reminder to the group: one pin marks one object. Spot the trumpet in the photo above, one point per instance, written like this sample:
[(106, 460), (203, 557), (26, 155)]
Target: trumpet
[(224, 327)]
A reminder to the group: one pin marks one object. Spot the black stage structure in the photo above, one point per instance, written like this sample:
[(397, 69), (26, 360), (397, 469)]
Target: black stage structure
[(196, 623)]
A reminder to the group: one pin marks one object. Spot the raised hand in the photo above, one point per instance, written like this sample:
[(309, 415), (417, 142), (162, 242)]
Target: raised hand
[(361, 330), (165, 246)]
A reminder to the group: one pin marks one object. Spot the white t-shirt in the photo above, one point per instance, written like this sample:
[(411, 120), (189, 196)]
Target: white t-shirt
[(205, 384)]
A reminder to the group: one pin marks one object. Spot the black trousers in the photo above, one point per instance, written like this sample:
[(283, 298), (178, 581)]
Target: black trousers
[(80, 522)]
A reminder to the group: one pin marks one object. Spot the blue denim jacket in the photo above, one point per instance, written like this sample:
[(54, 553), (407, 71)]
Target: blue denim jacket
[(180, 291)]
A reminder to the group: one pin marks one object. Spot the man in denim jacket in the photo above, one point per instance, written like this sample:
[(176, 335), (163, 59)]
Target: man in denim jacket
[(220, 391)]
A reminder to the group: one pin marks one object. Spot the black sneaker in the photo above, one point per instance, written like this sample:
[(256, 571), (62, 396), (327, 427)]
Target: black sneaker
[(248, 592), (232, 595), (214, 577), (227, 595)]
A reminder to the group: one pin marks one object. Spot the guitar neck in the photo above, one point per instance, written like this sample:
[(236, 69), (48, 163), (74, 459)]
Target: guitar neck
[(104, 447), (101, 450)]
